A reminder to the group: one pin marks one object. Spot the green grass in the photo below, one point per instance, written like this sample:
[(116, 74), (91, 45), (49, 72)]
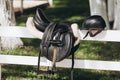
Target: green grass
[(99, 50), (16, 72), (70, 11)]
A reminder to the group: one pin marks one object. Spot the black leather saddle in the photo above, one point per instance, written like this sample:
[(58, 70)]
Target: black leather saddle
[(57, 36)]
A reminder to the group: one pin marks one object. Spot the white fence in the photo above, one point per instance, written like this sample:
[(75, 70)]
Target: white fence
[(107, 35)]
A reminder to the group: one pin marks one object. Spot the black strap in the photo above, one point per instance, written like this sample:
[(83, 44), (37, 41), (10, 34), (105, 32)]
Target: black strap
[(38, 68), (91, 34), (86, 35), (72, 67), (43, 47)]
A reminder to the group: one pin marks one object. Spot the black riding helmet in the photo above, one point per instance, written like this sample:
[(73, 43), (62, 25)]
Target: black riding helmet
[(94, 22)]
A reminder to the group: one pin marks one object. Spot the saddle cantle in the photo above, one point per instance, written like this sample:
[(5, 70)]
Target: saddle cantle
[(40, 20)]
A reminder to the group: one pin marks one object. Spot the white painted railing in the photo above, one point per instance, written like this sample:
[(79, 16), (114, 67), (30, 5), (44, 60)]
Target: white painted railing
[(23, 32)]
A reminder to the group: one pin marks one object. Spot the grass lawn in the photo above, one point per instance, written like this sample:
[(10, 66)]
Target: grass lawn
[(69, 11)]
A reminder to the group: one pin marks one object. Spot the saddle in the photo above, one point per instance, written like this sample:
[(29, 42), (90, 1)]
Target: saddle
[(57, 42)]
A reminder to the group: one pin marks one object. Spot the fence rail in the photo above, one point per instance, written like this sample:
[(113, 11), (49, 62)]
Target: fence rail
[(23, 32)]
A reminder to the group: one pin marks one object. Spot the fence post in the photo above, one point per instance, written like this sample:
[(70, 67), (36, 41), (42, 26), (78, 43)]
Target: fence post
[(0, 72), (50, 2)]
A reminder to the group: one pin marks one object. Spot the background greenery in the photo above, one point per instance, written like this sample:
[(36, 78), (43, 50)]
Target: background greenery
[(69, 11)]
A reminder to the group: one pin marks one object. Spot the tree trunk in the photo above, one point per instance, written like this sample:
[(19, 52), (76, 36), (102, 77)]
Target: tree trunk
[(117, 15), (111, 7), (21, 9), (7, 18), (99, 7)]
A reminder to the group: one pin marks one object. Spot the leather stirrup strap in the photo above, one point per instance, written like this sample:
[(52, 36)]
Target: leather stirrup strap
[(38, 68), (72, 67), (91, 34)]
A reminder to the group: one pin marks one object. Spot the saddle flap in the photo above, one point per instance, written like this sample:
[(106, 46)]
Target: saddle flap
[(65, 39)]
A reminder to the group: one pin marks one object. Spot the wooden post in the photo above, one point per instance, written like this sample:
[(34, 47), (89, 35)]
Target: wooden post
[(111, 9), (0, 72), (7, 18), (50, 2), (21, 9), (116, 25)]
